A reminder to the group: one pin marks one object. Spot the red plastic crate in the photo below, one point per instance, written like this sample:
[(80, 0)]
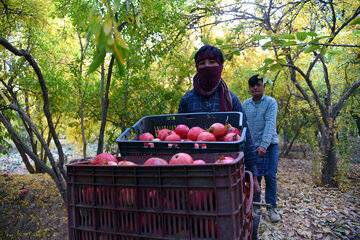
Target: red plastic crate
[(249, 205), (157, 202)]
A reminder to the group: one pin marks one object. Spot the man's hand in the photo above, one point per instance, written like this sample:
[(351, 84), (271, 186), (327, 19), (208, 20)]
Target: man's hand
[(257, 188), (261, 151)]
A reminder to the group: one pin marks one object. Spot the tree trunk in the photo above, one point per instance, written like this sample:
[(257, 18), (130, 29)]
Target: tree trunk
[(328, 157), (104, 106), (285, 140)]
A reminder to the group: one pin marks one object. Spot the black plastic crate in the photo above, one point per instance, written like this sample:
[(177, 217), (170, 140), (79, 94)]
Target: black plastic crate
[(151, 124), (158, 202)]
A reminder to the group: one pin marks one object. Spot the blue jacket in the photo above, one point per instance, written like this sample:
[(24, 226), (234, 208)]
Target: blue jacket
[(262, 120)]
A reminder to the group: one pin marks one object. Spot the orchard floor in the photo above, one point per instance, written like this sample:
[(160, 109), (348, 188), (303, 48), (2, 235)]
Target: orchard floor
[(307, 211)]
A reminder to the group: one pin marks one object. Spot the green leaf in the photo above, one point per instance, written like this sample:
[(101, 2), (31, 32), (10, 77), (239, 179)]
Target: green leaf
[(257, 38), (275, 67), (219, 41), (312, 34), (238, 28), (192, 57), (279, 42), (204, 41), (289, 43), (99, 54), (356, 21), (268, 61), (237, 52), (226, 46), (230, 56), (311, 48), (287, 36), (301, 36), (282, 61), (266, 45), (315, 40), (228, 39), (323, 50)]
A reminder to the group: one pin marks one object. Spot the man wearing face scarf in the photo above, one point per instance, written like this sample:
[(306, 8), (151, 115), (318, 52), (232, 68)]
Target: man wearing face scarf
[(211, 94)]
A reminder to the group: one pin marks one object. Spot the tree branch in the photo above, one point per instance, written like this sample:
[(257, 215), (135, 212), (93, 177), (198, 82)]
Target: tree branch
[(340, 104), (46, 107)]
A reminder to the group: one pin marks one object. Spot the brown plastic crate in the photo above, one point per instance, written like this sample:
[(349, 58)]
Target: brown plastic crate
[(157, 202)]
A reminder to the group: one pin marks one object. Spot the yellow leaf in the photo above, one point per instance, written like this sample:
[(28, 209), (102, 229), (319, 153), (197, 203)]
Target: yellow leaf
[(118, 54), (120, 40)]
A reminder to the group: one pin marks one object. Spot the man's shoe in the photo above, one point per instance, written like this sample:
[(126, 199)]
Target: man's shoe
[(274, 215)]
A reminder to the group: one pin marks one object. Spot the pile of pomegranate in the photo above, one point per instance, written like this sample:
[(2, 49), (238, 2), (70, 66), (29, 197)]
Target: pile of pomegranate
[(178, 158), (216, 132)]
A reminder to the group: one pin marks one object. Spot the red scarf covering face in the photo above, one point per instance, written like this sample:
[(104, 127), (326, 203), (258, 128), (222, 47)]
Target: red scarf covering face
[(208, 79)]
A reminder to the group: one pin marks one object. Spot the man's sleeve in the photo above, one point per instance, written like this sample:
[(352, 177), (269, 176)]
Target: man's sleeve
[(270, 124)]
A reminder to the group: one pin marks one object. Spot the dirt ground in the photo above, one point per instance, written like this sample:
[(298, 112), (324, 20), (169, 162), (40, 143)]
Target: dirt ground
[(307, 211)]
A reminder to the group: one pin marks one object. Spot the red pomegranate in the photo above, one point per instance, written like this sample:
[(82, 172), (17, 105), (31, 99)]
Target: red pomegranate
[(146, 137), (206, 137), (223, 159), (103, 159), (194, 133), (232, 129), (173, 137), (182, 130), (231, 137), (163, 133), (218, 129), (181, 158), (155, 161), (126, 163), (199, 161)]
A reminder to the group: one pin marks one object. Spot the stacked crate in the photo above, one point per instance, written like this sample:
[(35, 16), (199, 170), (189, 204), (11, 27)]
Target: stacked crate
[(163, 202)]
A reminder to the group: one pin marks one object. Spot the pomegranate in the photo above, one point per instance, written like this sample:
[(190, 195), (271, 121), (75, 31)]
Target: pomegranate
[(24, 191), (231, 137), (146, 137), (163, 133), (103, 159), (173, 137), (218, 129), (181, 158), (206, 137), (155, 161), (126, 163), (232, 129), (182, 130), (223, 159), (199, 161), (111, 163), (194, 133)]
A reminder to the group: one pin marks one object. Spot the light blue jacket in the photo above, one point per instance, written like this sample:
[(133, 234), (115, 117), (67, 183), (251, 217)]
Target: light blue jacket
[(261, 118)]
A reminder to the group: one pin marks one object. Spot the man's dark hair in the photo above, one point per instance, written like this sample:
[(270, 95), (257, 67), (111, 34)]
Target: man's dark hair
[(254, 80), (208, 51)]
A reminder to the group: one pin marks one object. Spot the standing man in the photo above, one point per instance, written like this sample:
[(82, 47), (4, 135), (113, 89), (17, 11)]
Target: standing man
[(211, 94), (261, 111)]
